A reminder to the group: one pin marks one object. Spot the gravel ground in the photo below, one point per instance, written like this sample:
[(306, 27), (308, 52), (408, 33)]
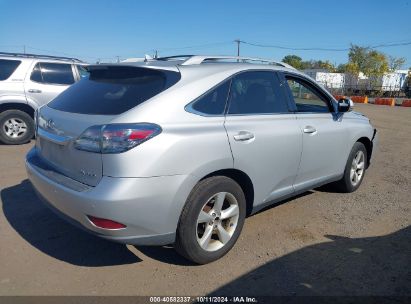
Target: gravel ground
[(321, 243)]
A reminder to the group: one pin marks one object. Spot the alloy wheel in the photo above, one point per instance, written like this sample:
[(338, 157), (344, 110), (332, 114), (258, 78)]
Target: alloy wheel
[(357, 168), (14, 127), (217, 221)]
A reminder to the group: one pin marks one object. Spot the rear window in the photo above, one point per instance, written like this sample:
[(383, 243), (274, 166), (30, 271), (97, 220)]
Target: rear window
[(112, 90), (7, 67)]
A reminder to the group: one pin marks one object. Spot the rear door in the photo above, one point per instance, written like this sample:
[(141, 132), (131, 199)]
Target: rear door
[(324, 150), (57, 131), (264, 136), (47, 80)]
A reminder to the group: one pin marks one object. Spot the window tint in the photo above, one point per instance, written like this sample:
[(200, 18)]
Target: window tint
[(57, 73), (256, 93), (213, 102), (52, 73), (306, 98), (7, 67), (36, 74), (82, 71), (111, 90)]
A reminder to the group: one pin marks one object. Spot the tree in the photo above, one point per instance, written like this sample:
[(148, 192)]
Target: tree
[(342, 68), (319, 64), (356, 59), (295, 61), (396, 62), (377, 64), (363, 59), (299, 64)]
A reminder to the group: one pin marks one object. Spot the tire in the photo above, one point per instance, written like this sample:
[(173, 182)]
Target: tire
[(349, 182), (23, 127), (206, 194)]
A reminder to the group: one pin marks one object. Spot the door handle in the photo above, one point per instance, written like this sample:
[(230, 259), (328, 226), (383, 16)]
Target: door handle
[(34, 91), (243, 136), (309, 129)]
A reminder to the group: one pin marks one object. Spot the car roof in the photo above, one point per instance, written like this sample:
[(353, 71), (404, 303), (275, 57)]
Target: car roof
[(207, 63), (23, 56)]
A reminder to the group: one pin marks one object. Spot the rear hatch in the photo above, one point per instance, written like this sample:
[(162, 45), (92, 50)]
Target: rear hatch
[(94, 101), (55, 144)]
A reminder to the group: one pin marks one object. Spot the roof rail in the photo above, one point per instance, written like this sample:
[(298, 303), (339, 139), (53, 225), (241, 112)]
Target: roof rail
[(39, 56), (200, 59), (174, 57)]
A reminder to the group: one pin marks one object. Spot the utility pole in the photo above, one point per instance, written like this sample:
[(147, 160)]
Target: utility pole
[(24, 49), (155, 54), (238, 41), (118, 59)]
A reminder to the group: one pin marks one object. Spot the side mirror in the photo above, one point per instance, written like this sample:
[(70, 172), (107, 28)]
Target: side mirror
[(345, 105)]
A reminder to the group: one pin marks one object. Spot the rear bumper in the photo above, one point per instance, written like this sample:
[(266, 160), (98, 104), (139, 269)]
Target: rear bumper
[(149, 207)]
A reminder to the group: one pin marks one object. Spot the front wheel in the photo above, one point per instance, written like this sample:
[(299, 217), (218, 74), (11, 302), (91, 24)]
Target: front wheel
[(16, 127), (354, 169), (211, 220)]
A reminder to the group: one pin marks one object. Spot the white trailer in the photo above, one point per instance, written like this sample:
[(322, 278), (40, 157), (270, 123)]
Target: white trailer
[(327, 79), (388, 83)]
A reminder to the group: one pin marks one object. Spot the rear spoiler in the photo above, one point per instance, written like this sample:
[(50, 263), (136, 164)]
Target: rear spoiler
[(155, 65)]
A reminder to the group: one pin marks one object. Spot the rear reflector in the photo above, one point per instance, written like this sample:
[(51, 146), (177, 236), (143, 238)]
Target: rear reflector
[(105, 223)]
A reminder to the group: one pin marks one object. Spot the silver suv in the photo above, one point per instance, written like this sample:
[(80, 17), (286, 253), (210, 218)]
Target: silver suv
[(26, 83), (179, 150)]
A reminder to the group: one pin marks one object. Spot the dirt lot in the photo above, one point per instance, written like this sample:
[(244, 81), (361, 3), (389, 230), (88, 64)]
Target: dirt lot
[(321, 243)]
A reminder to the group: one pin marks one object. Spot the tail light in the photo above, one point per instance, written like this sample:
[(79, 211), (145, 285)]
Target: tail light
[(115, 138)]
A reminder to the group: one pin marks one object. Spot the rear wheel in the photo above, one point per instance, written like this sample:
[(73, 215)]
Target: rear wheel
[(16, 127), (354, 169), (211, 220)]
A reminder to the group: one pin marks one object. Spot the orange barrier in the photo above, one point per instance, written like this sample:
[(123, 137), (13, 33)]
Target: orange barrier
[(338, 97), (385, 101), (406, 103), (360, 99)]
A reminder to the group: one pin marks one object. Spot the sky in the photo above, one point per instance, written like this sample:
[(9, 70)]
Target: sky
[(92, 30)]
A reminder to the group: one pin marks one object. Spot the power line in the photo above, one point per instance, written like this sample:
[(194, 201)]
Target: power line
[(214, 44), (390, 45), (320, 48), (207, 45)]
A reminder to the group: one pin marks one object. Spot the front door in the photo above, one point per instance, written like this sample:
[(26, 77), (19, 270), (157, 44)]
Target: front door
[(323, 135)]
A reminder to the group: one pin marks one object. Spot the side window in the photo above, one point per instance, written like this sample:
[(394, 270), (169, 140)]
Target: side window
[(53, 73), (306, 98), (213, 102), (36, 74), (82, 71), (256, 93), (7, 67)]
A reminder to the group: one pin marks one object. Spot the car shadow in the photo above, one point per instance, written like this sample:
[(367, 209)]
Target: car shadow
[(45, 231), (167, 254), (342, 266), (275, 204), (330, 188)]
